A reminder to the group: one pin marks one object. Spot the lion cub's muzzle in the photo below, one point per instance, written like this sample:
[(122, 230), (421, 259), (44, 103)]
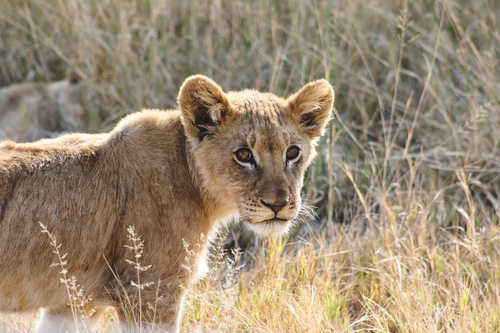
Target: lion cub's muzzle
[(271, 206)]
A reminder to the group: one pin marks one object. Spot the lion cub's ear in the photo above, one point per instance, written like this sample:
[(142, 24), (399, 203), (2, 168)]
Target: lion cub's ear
[(203, 105), (311, 107)]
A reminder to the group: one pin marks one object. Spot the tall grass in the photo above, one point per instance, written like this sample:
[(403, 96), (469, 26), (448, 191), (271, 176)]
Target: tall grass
[(406, 276), (408, 176)]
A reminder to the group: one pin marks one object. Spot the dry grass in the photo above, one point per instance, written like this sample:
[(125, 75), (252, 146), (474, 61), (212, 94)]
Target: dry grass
[(402, 274), (408, 177)]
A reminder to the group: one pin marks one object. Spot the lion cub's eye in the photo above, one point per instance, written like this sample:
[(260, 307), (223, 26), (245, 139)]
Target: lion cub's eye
[(244, 155), (292, 153)]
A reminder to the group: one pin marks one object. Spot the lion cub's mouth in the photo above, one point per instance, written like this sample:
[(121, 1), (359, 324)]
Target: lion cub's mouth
[(275, 220)]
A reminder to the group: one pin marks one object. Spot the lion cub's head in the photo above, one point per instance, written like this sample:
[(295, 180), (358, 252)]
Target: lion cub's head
[(253, 148)]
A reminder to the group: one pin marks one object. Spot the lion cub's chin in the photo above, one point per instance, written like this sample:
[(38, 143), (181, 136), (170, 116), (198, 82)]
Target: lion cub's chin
[(270, 228)]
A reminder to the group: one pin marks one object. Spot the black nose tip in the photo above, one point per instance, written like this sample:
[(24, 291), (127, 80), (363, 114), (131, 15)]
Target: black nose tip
[(275, 206)]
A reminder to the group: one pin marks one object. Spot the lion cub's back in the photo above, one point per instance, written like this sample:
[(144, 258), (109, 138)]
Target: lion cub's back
[(27, 157), (44, 165)]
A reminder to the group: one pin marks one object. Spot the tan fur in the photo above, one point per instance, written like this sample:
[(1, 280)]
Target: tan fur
[(173, 175), (30, 111)]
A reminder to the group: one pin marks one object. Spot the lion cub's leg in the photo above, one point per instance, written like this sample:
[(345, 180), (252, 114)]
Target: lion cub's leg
[(170, 309), (159, 313)]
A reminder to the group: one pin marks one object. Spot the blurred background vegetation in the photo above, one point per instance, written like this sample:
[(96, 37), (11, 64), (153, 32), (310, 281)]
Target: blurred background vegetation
[(410, 162), (415, 81)]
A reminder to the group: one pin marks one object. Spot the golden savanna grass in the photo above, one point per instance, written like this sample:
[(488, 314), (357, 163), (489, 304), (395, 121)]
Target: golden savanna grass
[(407, 181)]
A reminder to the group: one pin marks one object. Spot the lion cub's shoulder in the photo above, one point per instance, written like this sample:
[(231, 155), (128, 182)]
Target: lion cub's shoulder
[(148, 128)]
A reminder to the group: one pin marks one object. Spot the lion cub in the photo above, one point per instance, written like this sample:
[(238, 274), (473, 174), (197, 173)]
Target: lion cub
[(174, 175)]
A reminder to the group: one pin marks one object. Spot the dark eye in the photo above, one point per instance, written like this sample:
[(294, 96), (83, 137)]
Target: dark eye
[(292, 153), (244, 155)]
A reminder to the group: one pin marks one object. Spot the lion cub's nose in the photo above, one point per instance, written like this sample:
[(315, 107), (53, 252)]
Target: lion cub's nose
[(275, 206), (276, 199)]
